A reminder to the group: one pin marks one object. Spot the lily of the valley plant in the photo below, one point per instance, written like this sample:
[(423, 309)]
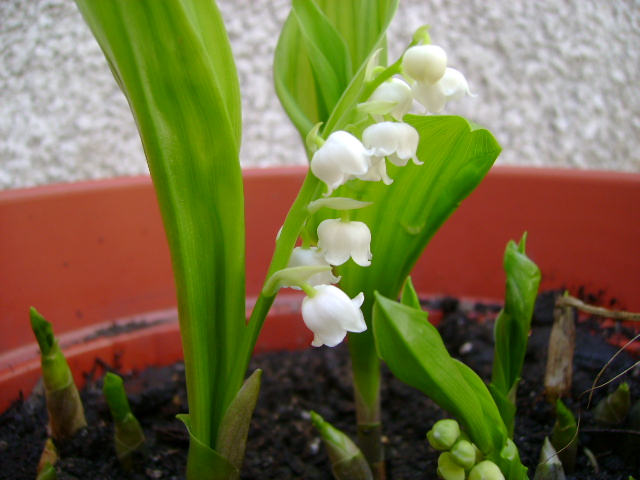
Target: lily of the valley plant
[(381, 182)]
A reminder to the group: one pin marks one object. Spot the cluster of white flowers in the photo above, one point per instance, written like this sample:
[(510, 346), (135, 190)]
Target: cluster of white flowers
[(327, 310)]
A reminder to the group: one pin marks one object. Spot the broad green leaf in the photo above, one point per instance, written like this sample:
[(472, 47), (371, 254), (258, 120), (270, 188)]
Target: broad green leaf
[(328, 54), (173, 62), (511, 466), (322, 45), (514, 322), (415, 354)]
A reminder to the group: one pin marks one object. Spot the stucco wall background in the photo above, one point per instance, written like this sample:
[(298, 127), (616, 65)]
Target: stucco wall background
[(556, 82)]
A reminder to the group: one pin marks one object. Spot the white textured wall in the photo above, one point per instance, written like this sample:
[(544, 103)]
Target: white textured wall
[(557, 83)]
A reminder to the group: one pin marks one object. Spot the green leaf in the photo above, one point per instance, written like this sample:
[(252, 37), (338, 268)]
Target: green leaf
[(173, 61), (409, 296), (405, 215), (514, 322), (321, 47), (328, 54), (415, 354)]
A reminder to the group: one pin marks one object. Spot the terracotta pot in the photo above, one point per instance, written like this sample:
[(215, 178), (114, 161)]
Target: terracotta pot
[(92, 257)]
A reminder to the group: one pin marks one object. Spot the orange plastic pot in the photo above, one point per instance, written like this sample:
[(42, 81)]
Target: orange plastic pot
[(92, 257)]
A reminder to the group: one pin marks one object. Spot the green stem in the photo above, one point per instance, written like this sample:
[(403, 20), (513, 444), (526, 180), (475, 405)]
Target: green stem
[(293, 225), (390, 71), (366, 378)]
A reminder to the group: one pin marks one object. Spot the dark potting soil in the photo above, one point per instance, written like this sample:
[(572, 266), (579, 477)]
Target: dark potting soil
[(283, 444)]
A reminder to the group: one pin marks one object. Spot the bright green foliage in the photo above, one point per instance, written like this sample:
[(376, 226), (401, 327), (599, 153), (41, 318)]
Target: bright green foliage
[(512, 328), (173, 61), (415, 353), (409, 296), (347, 461), (323, 45)]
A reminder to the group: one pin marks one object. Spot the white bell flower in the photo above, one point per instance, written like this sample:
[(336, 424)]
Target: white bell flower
[(397, 92), (340, 240), (452, 86), (341, 156), (312, 257), (330, 314), (377, 172), (425, 63), (396, 141)]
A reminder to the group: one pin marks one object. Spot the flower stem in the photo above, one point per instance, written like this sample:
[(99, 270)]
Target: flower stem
[(366, 380), (291, 229)]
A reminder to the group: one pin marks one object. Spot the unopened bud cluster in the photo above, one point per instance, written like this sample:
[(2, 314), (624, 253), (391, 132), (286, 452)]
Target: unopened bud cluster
[(460, 458)]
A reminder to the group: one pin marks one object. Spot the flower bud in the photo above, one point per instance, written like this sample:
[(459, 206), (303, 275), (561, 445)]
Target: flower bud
[(486, 470), (463, 453), (425, 63), (448, 468), (396, 92), (443, 434)]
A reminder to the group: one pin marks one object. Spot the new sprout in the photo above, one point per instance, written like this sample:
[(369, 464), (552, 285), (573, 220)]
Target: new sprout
[(128, 435), (66, 413)]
